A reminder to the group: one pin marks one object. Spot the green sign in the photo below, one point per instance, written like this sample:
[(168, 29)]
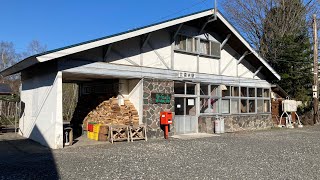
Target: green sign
[(161, 98)]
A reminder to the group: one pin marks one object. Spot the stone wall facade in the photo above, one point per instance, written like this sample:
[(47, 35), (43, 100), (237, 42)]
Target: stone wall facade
[(151, 111), (235, 123)]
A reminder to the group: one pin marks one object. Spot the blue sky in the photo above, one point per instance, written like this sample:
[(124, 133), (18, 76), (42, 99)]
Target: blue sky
[(61, 23)]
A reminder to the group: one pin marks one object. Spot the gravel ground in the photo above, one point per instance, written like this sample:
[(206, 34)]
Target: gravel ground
[(269, 154)]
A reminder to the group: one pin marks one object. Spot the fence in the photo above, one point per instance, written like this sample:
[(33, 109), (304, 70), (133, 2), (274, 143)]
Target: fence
[(9, 114)]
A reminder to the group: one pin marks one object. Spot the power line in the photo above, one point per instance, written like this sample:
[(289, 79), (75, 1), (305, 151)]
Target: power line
[(180, 11)]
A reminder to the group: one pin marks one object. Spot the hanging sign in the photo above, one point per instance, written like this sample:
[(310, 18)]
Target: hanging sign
[(161, 98)]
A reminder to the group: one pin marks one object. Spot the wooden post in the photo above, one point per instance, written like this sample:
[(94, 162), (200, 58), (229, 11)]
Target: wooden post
[(315, 70)]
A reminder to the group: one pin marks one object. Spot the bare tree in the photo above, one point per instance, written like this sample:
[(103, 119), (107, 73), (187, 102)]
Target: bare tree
[(8, 55), (34, 47), (251, 17)]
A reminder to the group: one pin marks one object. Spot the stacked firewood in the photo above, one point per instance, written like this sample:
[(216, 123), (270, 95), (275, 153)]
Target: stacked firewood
[(109, 112)]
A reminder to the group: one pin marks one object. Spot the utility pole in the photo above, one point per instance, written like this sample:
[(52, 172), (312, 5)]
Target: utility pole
[(315, 70)]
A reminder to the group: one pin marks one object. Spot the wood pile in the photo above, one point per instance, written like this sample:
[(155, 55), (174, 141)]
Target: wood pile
[(109, 112)]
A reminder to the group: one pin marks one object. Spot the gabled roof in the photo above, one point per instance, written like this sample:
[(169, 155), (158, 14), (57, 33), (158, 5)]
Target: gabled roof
[(61, 52)]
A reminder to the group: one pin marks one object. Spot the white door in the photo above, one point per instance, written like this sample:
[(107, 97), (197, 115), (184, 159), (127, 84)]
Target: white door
[(185, 120)]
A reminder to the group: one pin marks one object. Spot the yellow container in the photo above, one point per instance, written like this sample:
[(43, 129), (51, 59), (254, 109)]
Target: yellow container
[(95, 136), (90, 135), (96, 128)]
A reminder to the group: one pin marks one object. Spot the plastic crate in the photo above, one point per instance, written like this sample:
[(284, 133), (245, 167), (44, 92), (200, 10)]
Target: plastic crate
[(91, 135), (96, 128), (95, 136)]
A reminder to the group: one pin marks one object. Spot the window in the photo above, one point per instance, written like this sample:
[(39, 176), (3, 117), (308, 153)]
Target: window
[(204, 47), (225, 106), (266, 93), (266, 106), (235, 106), (204, 89), (252, 92), (179, 87), (214, 90), (185, 43), (214, 105), (243, 92), (244, 106), (252, 106), (259, 92), (235, 91), (198, 46), (191, 89), (191, 106), (263, 100), (220, 99), (179, 106), (225, 90), (215, 49), (204, 105)]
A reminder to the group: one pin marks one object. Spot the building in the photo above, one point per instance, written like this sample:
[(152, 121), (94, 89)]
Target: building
[(199, 62)]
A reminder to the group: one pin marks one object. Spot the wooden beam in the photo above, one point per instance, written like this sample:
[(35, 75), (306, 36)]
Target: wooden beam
[(225, 41), (210, 19), (126, 58), (226, 66), (145, 40), (203, 26), (242, 57), (159, 56), (107, 52), (244, 73), (257, 71), (177, 32)]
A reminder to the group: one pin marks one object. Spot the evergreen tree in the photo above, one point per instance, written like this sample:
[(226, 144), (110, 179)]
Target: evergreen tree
[(289, 53)]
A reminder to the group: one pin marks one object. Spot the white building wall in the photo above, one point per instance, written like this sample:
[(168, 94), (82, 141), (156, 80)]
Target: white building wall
[(160, 42), (41, 121), (208, 65), (185, 62), (132, 89)]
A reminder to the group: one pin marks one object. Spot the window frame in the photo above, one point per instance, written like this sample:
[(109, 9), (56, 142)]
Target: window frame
[(196, 45)]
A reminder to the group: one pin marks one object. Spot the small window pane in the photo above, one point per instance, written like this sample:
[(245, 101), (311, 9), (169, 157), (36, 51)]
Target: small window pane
[(266, 93), (214, 90), (204, 47), (183, 43), (225, 106), (259, 92), (252, 106), (191, 106), (244, 108), (235, 91), (204, 89), (252, 92), (204, 105), (191, 89), (260, 105), (225, 90), (266, 106), (196, 48), (179, 106), (244, 92), (234, 106), (178, 88), (215, 49), (214, 105), (189, 45)]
